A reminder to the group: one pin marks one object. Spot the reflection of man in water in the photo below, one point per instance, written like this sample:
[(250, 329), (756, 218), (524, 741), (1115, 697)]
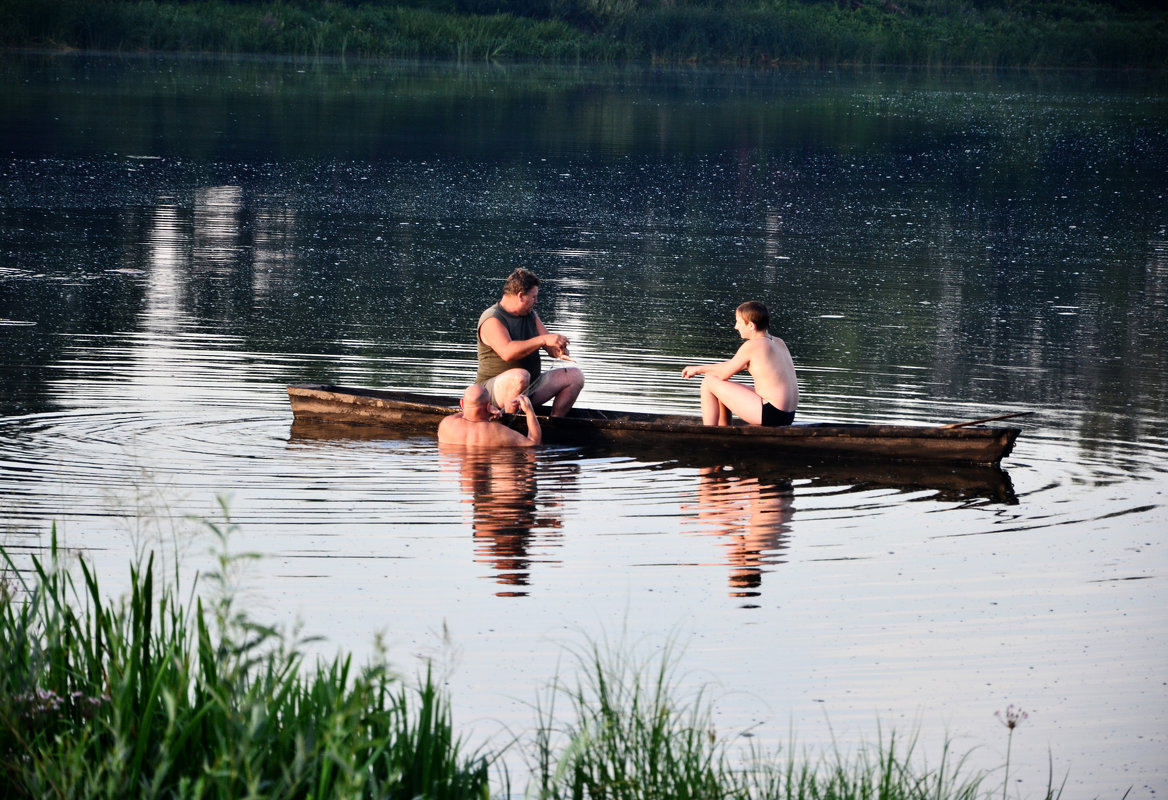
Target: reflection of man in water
[(500, 484), (476, 426), (754, 518)]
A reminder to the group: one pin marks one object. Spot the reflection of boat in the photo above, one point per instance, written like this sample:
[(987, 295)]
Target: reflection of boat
[(404, 410), (946, 482)]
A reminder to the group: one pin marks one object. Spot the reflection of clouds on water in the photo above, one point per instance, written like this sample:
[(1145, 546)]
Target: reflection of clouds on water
[(751, 515), (568, 314), (166, 284), (1154, 300), (170, 353), (217, 232), (501, 488), (274, 251), (772, 244), (213, 242)]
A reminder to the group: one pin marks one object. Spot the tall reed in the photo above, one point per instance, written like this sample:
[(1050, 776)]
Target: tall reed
[(631, 731), (627, 735), (148, 698)]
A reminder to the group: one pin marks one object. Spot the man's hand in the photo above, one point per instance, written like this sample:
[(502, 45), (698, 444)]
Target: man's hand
[(534, 434), (556, 345)]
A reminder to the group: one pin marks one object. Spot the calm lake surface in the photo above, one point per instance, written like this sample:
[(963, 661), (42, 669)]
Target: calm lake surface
[(180, 239)]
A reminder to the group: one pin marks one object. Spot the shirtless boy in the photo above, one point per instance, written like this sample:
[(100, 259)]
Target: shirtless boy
[(775, 395), (476, 426)]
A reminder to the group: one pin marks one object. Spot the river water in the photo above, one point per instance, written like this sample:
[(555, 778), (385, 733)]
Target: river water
[(180, 239)]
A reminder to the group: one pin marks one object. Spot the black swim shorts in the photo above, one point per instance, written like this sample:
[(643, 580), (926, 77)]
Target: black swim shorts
[(773, 418)]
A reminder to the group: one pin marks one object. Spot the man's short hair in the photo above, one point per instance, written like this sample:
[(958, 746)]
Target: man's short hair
[(520, 281), (476, 394), (756, 313)]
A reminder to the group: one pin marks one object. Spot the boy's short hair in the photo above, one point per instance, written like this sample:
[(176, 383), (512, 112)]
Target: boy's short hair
[(520, 281), (755, 313)]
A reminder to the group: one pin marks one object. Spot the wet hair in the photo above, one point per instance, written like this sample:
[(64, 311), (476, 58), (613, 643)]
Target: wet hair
[(520, 281), (756, 313)]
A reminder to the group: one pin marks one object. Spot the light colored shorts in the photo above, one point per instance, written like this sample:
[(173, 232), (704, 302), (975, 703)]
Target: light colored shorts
[(489, 383)]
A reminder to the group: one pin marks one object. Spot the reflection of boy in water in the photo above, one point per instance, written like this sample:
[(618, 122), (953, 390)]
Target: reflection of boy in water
[(775, 394), (753, 517), (476, 426)]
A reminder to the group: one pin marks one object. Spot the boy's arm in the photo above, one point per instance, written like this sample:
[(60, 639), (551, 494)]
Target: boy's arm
[(723, 369)]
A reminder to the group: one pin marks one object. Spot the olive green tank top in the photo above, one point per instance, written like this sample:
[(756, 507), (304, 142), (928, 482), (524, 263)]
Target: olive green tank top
[(520, 328)]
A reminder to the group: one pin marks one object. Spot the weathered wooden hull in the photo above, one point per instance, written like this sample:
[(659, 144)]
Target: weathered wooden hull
[(422, 413), (954, 482)]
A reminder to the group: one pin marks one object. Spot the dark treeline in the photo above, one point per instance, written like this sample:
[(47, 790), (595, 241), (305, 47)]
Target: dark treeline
[(981, 33)]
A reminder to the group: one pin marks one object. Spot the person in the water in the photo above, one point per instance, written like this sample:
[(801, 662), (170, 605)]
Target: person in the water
[(476, 425)]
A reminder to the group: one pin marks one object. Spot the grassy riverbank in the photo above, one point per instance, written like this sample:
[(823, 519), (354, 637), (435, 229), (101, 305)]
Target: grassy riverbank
[(981, 33), (152, 697)]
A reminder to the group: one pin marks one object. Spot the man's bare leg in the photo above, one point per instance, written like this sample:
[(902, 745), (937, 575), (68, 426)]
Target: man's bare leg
[(562, 387), (507, 388)]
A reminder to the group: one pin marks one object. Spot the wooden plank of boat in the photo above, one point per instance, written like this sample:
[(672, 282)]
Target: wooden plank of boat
[(411, 411), (947, 481)]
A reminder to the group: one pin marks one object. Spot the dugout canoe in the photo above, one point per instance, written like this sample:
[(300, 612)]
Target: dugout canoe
[(408, 411), (947, 482)]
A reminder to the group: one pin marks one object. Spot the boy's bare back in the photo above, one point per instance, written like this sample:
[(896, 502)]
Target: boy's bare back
[(773, 370)]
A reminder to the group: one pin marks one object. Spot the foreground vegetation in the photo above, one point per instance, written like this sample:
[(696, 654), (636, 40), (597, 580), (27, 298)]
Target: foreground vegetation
[(986, 33), (150, 698)]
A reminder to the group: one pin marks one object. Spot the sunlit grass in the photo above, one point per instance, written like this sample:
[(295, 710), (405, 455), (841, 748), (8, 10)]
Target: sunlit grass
[(153, 698), (627, 734), (627, 729)]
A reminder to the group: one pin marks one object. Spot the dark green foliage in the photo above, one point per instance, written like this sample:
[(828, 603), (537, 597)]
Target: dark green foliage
[(988, 33)]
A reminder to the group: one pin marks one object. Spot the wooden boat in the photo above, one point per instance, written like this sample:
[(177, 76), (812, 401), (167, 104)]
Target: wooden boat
[(408, 411), (950, 482)]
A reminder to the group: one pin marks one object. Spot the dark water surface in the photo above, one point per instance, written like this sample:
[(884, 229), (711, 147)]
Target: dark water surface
[(180, 239)]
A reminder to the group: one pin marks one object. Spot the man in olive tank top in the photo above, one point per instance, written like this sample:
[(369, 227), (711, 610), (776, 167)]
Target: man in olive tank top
[(510, 336)]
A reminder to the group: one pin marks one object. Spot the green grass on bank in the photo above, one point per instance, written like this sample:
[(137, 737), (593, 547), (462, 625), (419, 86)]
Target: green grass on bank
[(982, 33), (150, 697)]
